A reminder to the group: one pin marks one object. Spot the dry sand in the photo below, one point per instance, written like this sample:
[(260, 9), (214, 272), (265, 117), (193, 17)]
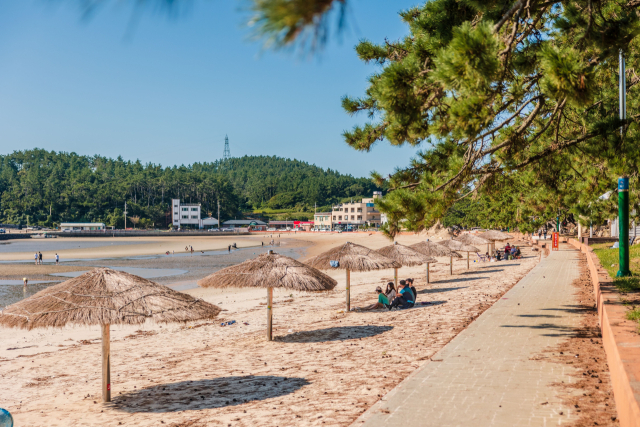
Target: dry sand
[(326, 366)]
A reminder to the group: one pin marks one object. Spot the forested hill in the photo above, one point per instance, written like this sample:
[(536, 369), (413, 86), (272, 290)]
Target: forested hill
[(36, 182)]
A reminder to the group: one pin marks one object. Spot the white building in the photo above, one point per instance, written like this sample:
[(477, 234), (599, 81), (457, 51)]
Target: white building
[(186, 214), (82, 226)]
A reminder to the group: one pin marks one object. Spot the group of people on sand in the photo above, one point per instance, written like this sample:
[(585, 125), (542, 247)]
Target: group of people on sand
[(509, 252), (38, 258), (402, 298)]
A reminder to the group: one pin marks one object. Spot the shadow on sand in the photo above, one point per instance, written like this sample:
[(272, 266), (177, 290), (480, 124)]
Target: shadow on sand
[(439, 290), (456, 279), (206, 394), (340, 333)]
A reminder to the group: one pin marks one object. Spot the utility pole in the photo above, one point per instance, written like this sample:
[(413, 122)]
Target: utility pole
[(623, 185), (125, 215), (218, 213)]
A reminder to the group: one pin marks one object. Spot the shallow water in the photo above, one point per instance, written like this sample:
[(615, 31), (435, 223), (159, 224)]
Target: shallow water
[(145, 273), (161, 268), (10, 293)]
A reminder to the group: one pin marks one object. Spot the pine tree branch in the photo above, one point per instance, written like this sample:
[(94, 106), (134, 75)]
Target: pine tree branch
[(521, 129), (516, 7)]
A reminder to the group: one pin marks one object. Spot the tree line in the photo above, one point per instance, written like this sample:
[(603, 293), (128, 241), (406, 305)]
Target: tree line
[(47, 187)]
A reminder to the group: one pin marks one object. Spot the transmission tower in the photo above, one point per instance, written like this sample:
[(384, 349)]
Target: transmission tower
[(227, 153)]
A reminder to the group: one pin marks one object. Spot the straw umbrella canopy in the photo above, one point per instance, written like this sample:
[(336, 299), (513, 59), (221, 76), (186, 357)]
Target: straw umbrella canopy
[(103, 297), (495, 235), (270, 270), (436, 249), (405, 255), (352, 257), (472, 239), (459, 246)]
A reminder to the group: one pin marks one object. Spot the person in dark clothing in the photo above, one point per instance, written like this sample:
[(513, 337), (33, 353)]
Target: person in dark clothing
[(413, 290), (405, 298)]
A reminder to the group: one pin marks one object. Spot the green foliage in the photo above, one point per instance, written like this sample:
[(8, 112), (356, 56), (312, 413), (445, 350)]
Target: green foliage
[(512, 104), (83, 188)]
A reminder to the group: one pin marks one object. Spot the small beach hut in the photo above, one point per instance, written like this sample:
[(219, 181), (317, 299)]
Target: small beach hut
[(472, 239), (270, 270), (351, 257), (458, 246), (495, 235), (404, 255), (104, 297), (432, 249)]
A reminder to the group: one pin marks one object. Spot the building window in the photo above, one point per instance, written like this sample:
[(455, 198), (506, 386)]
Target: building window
[(352, 217), (185, 216), (175, 206), (194, 216), (352, 210), (340, 218), (185, 209), (359, 217), (334, 217), (359, 209), (175, 213), (194, 209)]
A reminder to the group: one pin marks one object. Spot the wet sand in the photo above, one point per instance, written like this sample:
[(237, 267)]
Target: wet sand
[(325, 367)]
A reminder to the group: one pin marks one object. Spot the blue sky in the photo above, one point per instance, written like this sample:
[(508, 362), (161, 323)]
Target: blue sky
[(167, 89)]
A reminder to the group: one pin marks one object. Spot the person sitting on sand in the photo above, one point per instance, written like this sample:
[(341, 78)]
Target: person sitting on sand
[(383, 302), (390, 292), (405, 299)]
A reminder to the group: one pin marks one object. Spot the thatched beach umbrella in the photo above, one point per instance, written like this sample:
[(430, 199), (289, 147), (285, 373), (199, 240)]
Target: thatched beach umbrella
[(270, 271), (458, 246), (351, 257), (432, 249), (472, 239), (495, 235), (406, 256), (104, 297)]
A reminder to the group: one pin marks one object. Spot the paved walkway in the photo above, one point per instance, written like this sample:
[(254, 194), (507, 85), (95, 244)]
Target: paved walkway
[(488, 375)]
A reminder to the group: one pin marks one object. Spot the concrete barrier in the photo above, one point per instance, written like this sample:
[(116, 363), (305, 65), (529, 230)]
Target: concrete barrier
[(620, 339)]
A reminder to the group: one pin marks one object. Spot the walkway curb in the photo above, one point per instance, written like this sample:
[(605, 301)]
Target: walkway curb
[(620, 339)]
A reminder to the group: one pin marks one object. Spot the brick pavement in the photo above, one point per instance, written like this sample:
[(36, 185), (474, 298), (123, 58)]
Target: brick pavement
[(488, 375)]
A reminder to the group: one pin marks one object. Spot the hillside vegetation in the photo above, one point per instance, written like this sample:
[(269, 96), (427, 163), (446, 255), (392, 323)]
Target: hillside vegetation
[(46, 188)]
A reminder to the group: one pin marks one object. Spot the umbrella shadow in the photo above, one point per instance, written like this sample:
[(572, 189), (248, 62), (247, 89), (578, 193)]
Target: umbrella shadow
[(206, 394), (438, 290), (501, 265), (340, 333), (459, 279)]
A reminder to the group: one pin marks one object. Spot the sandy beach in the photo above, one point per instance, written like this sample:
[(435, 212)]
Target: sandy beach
[(325, 367)]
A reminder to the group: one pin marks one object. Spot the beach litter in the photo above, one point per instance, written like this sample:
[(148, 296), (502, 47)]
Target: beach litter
[(229, 323)]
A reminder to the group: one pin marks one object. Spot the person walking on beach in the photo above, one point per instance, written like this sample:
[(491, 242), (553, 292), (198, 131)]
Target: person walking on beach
[(25, 281), (229, 248), (35, 256), (40, 258), (191, 250), (57, 259)]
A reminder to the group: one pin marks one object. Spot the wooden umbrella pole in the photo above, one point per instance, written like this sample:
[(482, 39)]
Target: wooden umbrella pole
[(451, 265), (106, 363), (348, 290), (467, 260), (395, 277), (269, 314), (428, 273)]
